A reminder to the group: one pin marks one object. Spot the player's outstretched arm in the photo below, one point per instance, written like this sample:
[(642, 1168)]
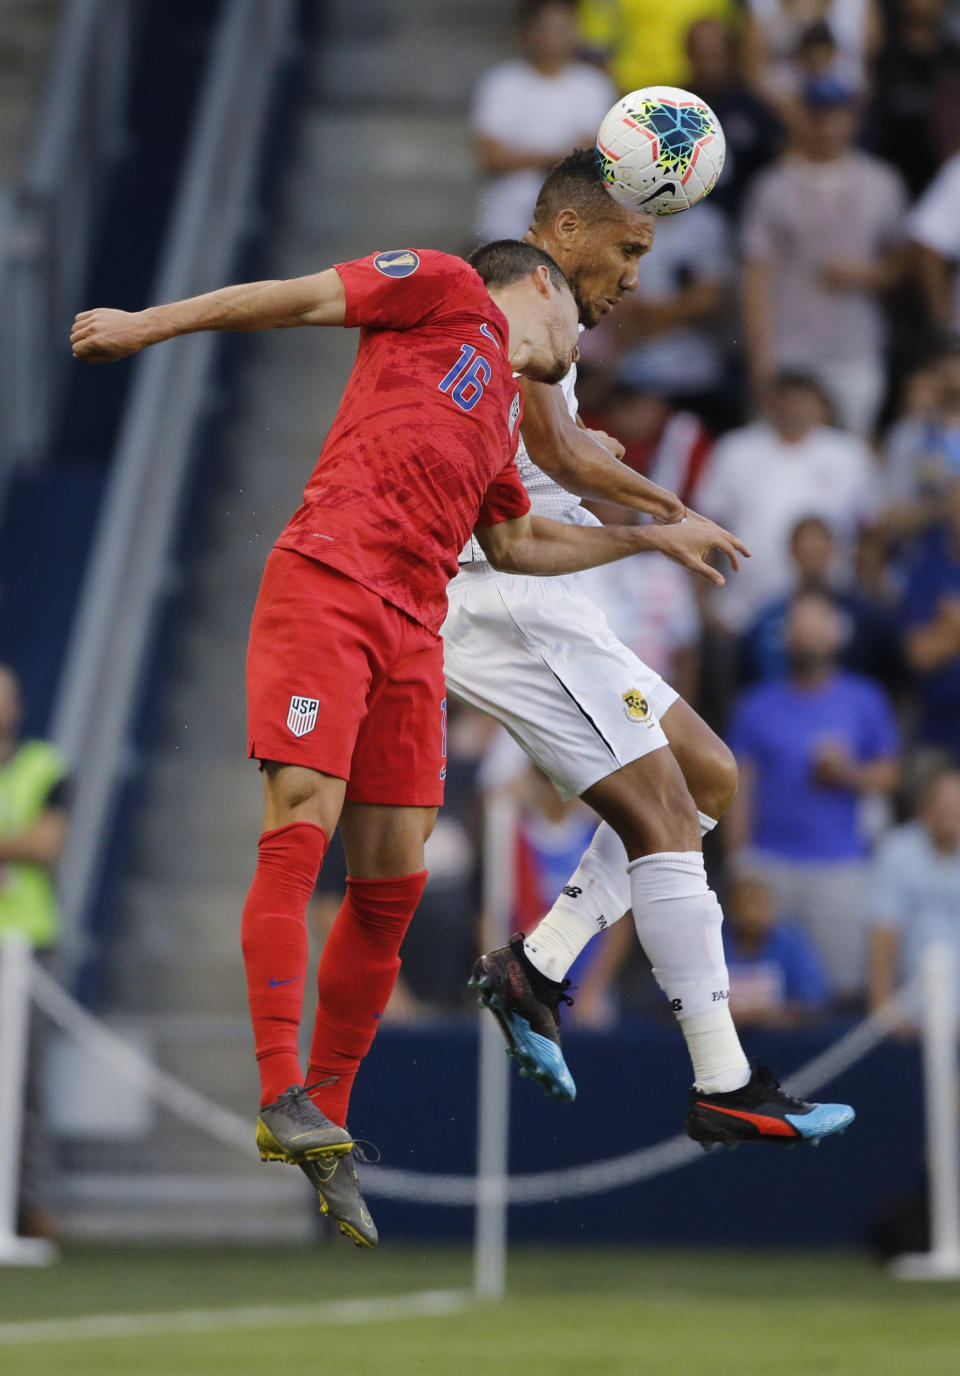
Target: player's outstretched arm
[(104, 335), (536, 545), (580, 463)]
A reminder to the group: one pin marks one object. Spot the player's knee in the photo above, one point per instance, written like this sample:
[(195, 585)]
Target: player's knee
[(652, 811), (295, 794)]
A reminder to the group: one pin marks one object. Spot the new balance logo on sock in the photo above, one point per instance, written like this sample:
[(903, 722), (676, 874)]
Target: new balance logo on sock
[(275, 983), (572, 891)]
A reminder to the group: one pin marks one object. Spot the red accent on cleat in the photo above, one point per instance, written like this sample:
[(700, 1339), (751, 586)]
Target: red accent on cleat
[(769, 1127)]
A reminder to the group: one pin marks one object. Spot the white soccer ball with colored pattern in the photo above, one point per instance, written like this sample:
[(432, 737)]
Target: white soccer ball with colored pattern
[(660, 149)]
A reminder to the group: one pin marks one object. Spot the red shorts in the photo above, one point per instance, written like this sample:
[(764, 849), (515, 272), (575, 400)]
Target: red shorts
[(341, 681)]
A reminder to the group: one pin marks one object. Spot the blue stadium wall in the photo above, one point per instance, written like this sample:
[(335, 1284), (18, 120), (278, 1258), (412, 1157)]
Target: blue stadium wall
[(415, 1098)]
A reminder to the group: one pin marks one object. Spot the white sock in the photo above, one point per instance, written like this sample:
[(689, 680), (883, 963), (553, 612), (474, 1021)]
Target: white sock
[(597, 895), (678, 922)]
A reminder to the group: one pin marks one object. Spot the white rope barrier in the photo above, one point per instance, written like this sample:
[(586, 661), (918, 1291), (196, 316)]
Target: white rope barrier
[(136, 1068), (595, 1177), (855, 1044)]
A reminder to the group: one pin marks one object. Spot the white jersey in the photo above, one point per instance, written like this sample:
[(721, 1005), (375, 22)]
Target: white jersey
[(547, 498), (538, 656)]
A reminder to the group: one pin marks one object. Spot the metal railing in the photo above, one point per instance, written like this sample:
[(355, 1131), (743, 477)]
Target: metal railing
[(128, 577), (54, 214)]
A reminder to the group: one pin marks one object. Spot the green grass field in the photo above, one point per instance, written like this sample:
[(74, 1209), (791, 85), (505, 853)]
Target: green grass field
[(592, 1312)]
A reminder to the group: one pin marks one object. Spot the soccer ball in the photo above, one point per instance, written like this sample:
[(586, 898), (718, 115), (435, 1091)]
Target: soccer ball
[(660, 149)]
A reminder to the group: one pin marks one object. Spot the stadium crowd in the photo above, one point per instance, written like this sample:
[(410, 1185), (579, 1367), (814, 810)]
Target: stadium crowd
[(790, 365)]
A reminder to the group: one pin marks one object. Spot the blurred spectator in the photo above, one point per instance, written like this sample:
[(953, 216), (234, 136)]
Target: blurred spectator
[(667, 331), (915, 888), (916, 90), (650, 606), (810, 747), (530, 112), (934, 227), (672, 447), (33, 824), (931, 624), (870, 630), (776, 977), (817, 55), (779, 31), (644, 41), (820, 242), (922, 449), (753, 132), (766, 477)]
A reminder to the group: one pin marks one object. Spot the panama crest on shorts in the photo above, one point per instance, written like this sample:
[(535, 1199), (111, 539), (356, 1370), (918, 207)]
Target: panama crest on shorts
[(302, 716), (636, 707)]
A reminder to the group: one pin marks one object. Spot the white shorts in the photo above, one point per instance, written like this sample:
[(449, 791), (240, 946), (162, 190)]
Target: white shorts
[(538, 655)]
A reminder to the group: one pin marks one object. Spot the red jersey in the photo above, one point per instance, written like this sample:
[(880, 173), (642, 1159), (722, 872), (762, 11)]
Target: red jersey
[(421, 449)]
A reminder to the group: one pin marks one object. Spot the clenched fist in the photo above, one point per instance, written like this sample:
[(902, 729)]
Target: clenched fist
[(104, 335)]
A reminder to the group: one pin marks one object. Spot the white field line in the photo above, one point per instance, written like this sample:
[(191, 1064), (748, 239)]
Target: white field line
[(420, 1304)]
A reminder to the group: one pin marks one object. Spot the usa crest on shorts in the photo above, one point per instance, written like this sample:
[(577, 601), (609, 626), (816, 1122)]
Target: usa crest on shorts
[(302, 716)]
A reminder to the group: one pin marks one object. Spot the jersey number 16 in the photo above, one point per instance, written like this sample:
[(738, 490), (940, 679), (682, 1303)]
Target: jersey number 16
[(467, 378)]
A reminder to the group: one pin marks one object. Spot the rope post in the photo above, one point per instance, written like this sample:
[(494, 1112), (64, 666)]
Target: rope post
[(939, 1030), (16, 965), (493, 1095)]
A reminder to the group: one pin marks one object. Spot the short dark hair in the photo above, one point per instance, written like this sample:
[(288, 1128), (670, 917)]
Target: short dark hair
[(529, 10), (506, 261), (816, 35), (806, 523), (795, 379), (575, 184)]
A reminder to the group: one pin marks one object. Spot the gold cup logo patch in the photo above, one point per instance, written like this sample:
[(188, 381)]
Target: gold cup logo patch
[(636, 707)]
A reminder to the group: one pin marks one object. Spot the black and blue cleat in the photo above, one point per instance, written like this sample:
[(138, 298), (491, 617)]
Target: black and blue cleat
[(762, 1112), (527, 1006)]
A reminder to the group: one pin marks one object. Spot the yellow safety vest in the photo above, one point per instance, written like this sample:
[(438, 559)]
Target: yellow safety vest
[(27, 898)]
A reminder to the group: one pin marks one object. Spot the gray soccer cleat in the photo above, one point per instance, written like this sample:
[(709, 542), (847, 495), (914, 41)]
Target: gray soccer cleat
[(338, 1189), (293, 1129)]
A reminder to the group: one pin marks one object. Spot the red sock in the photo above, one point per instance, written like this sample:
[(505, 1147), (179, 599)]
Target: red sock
[(358, 969), (273, 935)]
